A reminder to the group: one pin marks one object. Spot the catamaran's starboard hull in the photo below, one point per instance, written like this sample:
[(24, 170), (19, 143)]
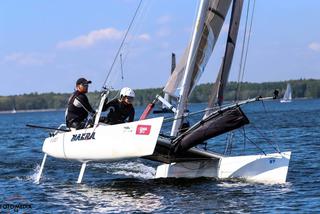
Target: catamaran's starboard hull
[(270, 168), (106, 142)]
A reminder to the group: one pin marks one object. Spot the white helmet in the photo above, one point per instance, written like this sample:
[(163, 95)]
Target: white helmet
[(127, 92)]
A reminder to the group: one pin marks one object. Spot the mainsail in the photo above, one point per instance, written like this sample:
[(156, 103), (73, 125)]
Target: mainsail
[(221, 81), (210, 18)]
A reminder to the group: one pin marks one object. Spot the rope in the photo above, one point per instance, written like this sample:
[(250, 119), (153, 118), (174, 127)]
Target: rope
[(122, 43)]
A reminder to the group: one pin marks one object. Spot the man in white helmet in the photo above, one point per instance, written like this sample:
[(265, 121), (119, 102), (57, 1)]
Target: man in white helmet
[(120, 110)]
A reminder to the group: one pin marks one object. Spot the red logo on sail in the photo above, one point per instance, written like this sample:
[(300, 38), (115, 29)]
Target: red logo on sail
[(143, 130)]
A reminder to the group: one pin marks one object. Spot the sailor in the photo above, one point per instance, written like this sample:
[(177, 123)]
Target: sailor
[(275, 94), (78, 106), (120, 110)]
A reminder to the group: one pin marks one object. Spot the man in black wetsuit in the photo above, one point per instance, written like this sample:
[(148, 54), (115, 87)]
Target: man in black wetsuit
[(120, 110), (79, 106)]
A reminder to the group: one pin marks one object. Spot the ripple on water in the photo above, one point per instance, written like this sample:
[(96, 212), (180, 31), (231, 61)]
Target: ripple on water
[(128, 186)]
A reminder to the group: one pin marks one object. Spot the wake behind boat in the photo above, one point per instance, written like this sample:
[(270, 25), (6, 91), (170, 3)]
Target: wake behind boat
[(178, 150)]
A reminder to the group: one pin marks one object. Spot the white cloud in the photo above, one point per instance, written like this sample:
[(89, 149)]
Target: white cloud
[(314, 46), (91, 38), (164, 19), (28, 58), (144, 37)]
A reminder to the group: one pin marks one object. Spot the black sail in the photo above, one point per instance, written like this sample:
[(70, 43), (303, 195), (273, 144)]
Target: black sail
[(223, 75), (214, 125)]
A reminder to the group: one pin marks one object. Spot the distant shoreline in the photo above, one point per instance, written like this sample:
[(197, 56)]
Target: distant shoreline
[(51, 101), (31, 110), (63, 109)]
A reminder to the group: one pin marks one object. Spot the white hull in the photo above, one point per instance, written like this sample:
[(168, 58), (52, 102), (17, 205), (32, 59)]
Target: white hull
[(106, 142), (270, 168), (285, 101)]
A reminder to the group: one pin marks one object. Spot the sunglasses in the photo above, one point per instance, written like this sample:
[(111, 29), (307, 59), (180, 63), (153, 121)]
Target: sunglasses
[(130, 98), (85, 85)]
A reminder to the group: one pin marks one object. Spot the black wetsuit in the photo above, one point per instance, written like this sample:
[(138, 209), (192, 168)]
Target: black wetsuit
[(78, 110), (119, 112)]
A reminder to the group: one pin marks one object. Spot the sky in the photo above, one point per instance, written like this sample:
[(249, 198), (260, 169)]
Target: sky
[(45, 46)]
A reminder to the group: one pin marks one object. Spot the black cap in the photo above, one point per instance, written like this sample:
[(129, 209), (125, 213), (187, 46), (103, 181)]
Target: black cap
[(82, 81)]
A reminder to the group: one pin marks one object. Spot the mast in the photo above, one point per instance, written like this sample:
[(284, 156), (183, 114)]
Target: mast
[(173, 66), (222, 78), (185, 86)]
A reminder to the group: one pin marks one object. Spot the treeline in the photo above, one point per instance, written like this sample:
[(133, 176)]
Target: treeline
[(303, 88)]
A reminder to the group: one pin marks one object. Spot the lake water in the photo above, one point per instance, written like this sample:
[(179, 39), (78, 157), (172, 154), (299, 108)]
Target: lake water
[(127, 186)]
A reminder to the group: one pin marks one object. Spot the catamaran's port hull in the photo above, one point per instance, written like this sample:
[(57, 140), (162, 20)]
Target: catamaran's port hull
[(270, 168), (105, 142)]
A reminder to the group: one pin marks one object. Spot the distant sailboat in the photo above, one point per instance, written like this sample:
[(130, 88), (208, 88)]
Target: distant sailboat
[(13, 111), (287, 97)]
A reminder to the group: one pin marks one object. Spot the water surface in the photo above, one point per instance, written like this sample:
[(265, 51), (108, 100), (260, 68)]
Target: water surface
[(128, 186)]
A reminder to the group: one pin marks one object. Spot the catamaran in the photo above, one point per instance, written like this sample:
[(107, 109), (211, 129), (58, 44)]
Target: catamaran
[(287, 97), (178, 153)]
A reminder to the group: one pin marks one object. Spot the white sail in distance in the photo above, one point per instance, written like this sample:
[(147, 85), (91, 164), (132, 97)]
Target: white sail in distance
[(287, 97)]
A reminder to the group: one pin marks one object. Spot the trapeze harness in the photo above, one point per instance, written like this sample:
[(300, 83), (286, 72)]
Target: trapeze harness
[(78, 110), (119, 112)]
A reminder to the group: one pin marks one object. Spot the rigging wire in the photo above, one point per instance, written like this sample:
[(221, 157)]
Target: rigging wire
[(276, 147), (121, 67), (121, 45), (229, 141), (258, 147), (242, 51), (145, 9), (118, 74), (128, 45), (245, 48)]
